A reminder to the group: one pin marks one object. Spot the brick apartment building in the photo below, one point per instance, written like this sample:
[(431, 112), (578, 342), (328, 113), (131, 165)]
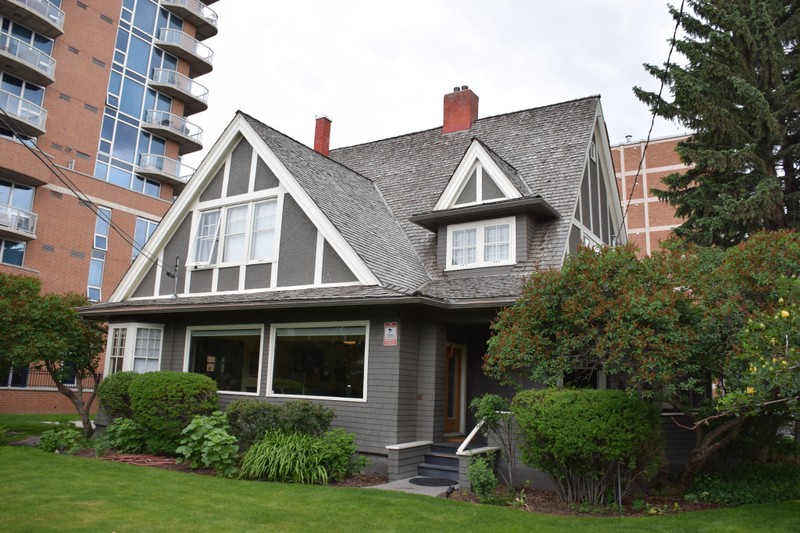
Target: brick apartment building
[(102, 91), (649, 221)]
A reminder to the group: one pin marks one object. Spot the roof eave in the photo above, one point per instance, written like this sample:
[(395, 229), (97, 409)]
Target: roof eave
[(535, 205)]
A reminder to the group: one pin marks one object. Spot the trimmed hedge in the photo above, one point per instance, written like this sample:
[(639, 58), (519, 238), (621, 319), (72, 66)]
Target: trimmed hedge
[(588, 441), (113, 394), (164, 403), (250, 419)]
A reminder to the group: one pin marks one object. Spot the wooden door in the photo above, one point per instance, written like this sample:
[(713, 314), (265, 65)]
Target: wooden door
[(454, 388)]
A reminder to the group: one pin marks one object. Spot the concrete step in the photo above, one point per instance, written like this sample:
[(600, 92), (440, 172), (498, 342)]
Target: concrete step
[(441, 471), (444, 459)]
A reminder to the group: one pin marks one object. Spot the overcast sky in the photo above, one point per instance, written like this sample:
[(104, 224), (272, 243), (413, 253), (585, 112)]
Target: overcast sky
[(380, 69)]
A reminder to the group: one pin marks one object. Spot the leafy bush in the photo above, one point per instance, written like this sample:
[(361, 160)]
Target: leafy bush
[(64, 438), (588, 441), (498, 421), (124, 436), (251, 419), (301, 458), (482, 478), (3, 436), (206, 443), (753, 483), (114, 396), (164, 403)]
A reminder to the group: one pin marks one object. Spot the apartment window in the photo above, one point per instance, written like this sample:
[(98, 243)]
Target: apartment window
[(144, 228), (99, 250), (248, 233), (141, 355), (481, 244), (319, 360), (231, 356), (12, 252)]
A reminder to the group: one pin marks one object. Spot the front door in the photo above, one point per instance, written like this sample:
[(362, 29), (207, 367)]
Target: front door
[(455, 366)]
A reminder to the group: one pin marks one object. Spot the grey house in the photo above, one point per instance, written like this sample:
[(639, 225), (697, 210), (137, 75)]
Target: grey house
[(364, 278)]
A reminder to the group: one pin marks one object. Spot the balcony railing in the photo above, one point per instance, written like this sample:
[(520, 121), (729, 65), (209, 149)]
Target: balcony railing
[(197, 13), (18, 221), (199, 56), (176, 128), (184, 88), (41, 16), (27, 116), (30, 378), (27, 62), (163, 168)]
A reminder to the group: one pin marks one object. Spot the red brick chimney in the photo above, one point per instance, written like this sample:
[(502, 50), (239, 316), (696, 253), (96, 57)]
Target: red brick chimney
[(460, 109), (322, 136)]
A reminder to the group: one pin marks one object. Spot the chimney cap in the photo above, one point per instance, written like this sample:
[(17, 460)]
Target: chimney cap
[(456, 89), (464, 87)]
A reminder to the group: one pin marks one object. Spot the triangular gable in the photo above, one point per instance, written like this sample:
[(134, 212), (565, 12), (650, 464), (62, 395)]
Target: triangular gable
[(478, 179), (268, 175)]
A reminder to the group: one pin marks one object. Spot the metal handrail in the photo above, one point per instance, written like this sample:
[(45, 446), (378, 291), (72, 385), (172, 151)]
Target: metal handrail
[(188, 43), (185, 84), (30, 378), (23, 109), (27, 54), (174, 123), (196, 7), (18, 219), (46, 9), (166, 166)]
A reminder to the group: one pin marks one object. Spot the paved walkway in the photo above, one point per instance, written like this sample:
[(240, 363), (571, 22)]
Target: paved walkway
[(405, 485)]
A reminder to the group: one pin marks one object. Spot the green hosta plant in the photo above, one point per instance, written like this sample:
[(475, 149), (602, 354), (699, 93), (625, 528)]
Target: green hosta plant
[(124, 436), (206, 443), (64, 438)]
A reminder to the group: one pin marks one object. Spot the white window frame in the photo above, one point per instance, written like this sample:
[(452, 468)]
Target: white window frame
[(273, 333), (130, 344), (213, 237), (229, 328), (480, 226), (481, 174), (256, 231), (227, 235)]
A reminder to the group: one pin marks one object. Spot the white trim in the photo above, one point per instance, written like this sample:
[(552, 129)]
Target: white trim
[(271, 360), (318, 259), (479, 243), (409, 445), (228, 328), (130, 343), (251, 184), (249, 291), (475, 154)]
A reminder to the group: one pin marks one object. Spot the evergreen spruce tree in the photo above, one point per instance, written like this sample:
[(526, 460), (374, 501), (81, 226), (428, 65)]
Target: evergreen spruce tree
[(739, 91)]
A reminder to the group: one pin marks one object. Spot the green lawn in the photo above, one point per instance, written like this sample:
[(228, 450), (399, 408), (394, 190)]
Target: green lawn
[(26, 425), (43, 492)]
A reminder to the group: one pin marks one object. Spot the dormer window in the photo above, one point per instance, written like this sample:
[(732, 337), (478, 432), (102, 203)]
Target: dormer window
[(481, 244), (478, 188)]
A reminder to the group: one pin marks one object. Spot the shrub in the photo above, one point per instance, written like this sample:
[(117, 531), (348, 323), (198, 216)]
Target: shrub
[(206, 443), (498, 421), (64, 438), (4, 437), (124, 436), (164, 403), (588, 442), (753, 483), (482, 478), (114, 396), (251, 419), (301, 458)]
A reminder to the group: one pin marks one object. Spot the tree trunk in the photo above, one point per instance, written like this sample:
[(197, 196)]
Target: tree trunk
[(707, 447), (76, 396)]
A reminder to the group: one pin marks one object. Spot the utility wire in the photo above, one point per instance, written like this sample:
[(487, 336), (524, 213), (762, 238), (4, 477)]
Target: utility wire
[(653, 118), (69, 184)]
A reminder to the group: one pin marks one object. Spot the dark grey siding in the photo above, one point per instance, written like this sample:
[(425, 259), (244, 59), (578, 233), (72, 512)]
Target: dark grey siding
[(298, 246), (213, 190), (333, 268), (470, 192), (201, 281), (178, 246), (574, 239), (595, 199), (258, 276), (228, 279), (604, 214), (490, 188), (431, 342), (148, 285), (265, 178), (586, 200), (239, 177)]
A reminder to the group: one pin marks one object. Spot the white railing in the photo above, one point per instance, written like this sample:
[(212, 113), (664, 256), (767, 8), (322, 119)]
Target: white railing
[(196, 7), (17, 219), (182, 83), (159, 164), (23, 109), (46, 9), (174, 123), (24, 52), (185, 42)]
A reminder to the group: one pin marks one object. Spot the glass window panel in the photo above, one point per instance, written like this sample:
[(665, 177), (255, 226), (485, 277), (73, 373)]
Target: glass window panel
[(263, 230), (101, 171), (152, 188), (11, 84), (40, 42), (96, 273), (132, 97), (235, 227), (33, 94), (206, 236), (13, 252), (120, 177), (138, 55), (108, 127), (319, 362), (93, 294), (125, 143), (231, 358), (5, 192), (145, 15), (22, 197), (115, 83), (147, 351), (102, 223), (122, 40)]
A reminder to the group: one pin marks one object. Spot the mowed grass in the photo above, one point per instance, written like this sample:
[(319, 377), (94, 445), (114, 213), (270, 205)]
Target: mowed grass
[(23, 426), (46, 492)]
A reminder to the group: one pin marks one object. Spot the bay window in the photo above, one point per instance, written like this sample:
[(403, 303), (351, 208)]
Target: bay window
[(134, 347)]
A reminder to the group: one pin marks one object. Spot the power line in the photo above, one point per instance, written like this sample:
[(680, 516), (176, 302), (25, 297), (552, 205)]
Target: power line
[(69, 184), (653, 118)]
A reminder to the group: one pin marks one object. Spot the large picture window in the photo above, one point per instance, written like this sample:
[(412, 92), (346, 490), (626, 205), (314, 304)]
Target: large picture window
[(231, 357), (481, 244), (319, 360)]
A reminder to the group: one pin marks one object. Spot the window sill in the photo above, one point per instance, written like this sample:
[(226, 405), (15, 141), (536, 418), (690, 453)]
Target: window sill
[(475, 267)]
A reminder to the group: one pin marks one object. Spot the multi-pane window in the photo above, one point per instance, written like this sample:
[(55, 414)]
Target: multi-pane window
[(144, 228), (134, 347), (248, 233), (12, 252), (481, 244), (99, 250)]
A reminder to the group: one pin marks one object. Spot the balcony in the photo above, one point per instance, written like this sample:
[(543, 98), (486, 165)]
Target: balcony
[(17, 223), (184, 88), (26, 116), (175, 128), (180, 44), (161, 168), (202, 17), (24, 61), (39, 15)]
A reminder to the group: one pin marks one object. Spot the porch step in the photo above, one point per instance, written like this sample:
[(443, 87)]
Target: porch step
[(442, 471), (441, 461)]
